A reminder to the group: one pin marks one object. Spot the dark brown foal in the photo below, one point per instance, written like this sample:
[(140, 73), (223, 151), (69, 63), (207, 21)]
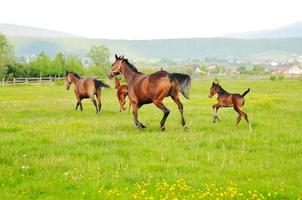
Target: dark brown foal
[(226, 99), (121, 92), (85, 88)]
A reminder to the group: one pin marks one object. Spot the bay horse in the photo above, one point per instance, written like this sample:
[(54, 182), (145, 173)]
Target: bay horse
[(85, 88), (121, 93), (226, 99), (153, 88)]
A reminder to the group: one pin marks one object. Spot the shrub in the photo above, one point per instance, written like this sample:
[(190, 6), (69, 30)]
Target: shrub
[(281, 77), (273, 77)]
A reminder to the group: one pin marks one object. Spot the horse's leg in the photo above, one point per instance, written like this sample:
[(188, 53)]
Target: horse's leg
[(135, 111), (242, 114), (180, 108), (94, 103), (81, 106), (99, 102), (166, 111), (123, 101), (215, 110), (79, 103), (129, 106)]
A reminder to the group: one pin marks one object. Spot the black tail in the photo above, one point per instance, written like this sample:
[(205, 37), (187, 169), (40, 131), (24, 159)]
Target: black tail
[(99, 83), (247, 91), (184, 81)]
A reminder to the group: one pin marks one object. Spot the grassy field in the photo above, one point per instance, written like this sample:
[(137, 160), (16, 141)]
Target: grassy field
[(48, 150)]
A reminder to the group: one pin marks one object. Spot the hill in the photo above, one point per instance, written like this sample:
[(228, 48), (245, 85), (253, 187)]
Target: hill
[(29, 40), (289, 31), (17, 30), (167, 48)]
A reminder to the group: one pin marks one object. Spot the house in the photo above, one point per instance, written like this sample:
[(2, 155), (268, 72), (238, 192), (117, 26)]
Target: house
[(295, 70)]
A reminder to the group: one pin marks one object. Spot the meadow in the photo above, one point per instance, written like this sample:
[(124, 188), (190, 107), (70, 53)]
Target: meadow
[(49, 150)]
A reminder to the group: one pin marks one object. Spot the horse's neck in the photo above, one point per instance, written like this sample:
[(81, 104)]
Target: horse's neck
[(117, 84), (75, 80), (221, 91), (130, 75)]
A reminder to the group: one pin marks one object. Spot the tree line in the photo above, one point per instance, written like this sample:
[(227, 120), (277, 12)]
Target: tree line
[(44, 65)]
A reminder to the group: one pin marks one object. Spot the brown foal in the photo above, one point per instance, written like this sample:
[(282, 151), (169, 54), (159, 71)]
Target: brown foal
[(121, 92), (153, 88), (226, 99), (85, 88)]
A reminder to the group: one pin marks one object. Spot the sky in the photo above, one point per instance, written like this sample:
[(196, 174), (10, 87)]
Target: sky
[(152, 19)]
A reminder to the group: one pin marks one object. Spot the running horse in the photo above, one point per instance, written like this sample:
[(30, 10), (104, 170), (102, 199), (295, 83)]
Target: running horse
[(121, 93), (153, 88), (85, 88), (226, 99)]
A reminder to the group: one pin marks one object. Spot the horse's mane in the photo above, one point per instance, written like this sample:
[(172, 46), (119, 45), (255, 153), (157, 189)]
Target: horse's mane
[(221, 90), (131, 66), (75, 74)]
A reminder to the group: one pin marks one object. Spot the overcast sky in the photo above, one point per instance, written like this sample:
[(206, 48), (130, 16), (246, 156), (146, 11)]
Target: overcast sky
[(152, 19)]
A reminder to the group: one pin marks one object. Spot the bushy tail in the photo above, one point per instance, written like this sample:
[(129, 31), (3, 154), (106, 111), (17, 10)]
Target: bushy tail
[(99, 84), (184, 81), (247, 91)]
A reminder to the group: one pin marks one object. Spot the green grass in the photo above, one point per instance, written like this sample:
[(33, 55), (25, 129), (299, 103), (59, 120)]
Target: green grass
[(48, 150)]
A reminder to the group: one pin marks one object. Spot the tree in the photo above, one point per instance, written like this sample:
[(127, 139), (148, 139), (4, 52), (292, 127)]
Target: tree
[(74, 64), (43, 64), (6, 55), (59, 65), (99, 55)]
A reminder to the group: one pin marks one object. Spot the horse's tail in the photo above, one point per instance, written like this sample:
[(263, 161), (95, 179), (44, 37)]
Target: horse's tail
[(184, 81), (99, 84), (247, 91)]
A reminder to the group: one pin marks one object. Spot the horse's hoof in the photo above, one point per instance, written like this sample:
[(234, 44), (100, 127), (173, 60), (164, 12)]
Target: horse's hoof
[(141, 126), (162, 128), (185, 128)]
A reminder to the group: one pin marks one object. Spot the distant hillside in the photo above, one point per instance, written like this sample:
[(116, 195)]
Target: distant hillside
[(167, 48), (29, 40), (16, 30), (289, 31)]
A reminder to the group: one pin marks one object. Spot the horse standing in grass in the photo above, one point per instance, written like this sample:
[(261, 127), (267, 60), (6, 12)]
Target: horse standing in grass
[(226, 99), (85, 88), (121, 92), (153, 88)]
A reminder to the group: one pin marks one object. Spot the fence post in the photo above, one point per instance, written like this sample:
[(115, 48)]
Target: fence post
[(26, 80), (14, 81), (3, 82)]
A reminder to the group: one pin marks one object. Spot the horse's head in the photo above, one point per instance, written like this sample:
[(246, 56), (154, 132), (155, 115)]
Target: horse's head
[(68, 80), (116, 67), (117, 83), (214, 89)]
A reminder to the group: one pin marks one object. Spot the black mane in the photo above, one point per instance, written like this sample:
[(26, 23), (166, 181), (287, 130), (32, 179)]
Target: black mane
[(75, 74), (221, 90), (130, 65)]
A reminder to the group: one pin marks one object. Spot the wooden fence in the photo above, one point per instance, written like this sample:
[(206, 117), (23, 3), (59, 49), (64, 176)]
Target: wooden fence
[(34, 80), (39, 80)]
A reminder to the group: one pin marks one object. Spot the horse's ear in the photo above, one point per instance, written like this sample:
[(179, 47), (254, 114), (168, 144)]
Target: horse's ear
[(213, 83), (116, 57)]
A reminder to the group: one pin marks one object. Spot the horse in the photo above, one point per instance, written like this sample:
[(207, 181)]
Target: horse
[(85, 88), (121, 92), (226, 99), (153, 88)]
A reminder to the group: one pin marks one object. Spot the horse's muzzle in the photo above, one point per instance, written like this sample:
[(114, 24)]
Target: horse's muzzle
[(110, 76), (67, 87)]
